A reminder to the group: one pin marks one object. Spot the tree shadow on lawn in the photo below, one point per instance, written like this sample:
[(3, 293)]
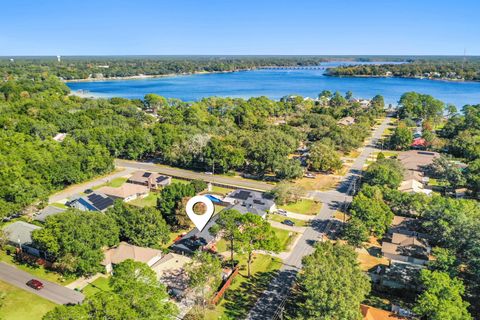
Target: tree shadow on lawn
[(238, 302)]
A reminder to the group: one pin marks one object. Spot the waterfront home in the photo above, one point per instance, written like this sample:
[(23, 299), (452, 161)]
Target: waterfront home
[(126, 192), (152, 180), (126, 251)]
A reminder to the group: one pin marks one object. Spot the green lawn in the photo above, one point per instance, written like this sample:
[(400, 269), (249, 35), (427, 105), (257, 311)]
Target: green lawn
[(100, 284), (221, 245), (244, 292), (220, 190), (59, 205), (149, 201), (36, 271), (175, 180), (304, 206), (279, 218), (387, 154), (19, 304), (114, 183), (286, 237)]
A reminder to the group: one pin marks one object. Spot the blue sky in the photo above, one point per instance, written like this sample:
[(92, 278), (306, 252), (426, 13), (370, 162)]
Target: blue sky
[(120, 27)]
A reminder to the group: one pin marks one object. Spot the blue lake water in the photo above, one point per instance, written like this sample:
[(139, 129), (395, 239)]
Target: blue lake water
[(277, 83)]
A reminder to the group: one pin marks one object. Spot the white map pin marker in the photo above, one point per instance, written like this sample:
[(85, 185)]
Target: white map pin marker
[(200, 220)]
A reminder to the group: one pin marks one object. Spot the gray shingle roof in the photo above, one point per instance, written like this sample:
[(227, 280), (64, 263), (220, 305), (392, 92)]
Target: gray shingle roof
[(20, 233)]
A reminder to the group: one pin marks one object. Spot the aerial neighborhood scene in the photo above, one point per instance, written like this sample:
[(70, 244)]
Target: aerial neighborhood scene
[(239, 160)]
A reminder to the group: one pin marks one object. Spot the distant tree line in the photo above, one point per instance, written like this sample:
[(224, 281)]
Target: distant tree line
[(453, 69)]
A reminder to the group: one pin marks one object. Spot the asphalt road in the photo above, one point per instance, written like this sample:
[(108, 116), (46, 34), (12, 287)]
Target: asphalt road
[(51, 291), (192, 175), (79, 188), (270, 302)]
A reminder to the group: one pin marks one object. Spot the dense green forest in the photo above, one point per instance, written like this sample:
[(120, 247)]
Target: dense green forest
[(71, 67), (454, 69), (257, 136)]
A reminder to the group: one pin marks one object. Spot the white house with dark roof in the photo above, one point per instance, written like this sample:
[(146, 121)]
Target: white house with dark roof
[(250, 201)]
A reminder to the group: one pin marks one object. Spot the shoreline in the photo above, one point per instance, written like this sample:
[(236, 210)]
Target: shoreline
[(151, 76), (399, 77)]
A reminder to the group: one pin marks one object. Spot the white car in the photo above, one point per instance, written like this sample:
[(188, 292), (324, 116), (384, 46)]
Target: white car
[(208, 172), (282, 212)]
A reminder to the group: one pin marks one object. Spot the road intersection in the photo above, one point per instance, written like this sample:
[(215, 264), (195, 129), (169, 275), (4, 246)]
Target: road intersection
[(271, 301)]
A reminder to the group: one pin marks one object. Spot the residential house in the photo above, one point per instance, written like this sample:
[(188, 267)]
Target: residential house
[(400, 276), (416, 160), (126, 251), (347, 121), (371, 313), (407, 248), (170, 271), (413, 186), (19, 234), (152, 180), (250, 201), (196, 239), (126, 192), (47, 212), (95, 201)]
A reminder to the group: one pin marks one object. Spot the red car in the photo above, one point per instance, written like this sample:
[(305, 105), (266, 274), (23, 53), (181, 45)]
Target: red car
[(35, 284)]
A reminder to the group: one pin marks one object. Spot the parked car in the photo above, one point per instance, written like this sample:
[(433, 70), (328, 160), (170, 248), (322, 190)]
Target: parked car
[(282, 212), (208, 172), (288, 222), (35, 284), (88, 191)]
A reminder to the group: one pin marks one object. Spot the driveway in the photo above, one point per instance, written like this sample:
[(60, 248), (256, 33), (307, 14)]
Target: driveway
[(271, 302), (52, 291), (79, 188), (192, 175)]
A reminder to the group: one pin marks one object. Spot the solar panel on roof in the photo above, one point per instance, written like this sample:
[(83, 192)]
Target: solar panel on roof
[(147, 174), (161, 178), (99, 201), (242, 195)]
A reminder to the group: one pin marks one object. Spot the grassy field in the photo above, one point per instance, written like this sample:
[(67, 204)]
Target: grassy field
[(286, 237), (100, 284), (59, 205), (22, 305), (149, 201), (244, 291), (220, 190), (36, 271), (279, 218), (114, 183), (321, 182), (175, 180), (304, 206)]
